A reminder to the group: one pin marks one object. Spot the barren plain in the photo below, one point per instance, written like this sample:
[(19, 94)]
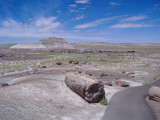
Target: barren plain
[(36, 83)]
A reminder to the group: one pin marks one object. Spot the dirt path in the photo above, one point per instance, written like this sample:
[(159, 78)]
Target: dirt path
[(130, 105)]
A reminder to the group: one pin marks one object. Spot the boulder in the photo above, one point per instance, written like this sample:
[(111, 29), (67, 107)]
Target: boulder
[(89, 74), (85, 86), (76, 62), (71, 61), (44, 66), (121, 83), (104, 74), (109, 83), (154, 91), (58, 63), (3, 84)]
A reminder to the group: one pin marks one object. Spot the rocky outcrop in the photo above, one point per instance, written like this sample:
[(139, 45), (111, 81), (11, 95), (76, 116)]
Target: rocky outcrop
[(31, 46), (55, 43), (45, 44)]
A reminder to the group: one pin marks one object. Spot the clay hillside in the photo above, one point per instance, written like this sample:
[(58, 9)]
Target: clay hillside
[(45, 44)]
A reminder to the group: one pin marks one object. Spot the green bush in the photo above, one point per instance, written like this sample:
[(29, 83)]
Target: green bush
[(103, 101)]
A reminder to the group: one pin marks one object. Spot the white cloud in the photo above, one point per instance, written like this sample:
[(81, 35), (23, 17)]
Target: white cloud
[(73, 10), (95, 23), (134, 18), (130, 25), (156, 5), (46, 23), (82, 1), (114, 3), (78, 18), (82, 8), (73, 5), (39, 27)]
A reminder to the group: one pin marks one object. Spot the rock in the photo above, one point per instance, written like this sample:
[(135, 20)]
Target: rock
[(89, 74), (109, 83), (52, 43), (121, 83), (58, 63), (44, 66), (84, 62), (1, 55), (86, 87), (123, 72), (76, 62), (131, 73), (154, 91), (3, 84), (157, 99), (104, 74), (71, 61), (79, 71)]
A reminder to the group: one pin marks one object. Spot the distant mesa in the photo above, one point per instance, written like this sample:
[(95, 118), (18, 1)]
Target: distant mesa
[(45, 44)]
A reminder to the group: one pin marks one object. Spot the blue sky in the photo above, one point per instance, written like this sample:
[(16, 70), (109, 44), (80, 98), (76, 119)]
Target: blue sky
[(115, 21)]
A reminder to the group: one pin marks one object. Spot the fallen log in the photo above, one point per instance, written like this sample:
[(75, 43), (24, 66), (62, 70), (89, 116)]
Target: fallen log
[(87, 87), (121, 83), (154, 91), (157, 99)]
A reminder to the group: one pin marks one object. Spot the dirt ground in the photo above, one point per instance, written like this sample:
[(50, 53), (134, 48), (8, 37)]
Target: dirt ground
[(40, 93)]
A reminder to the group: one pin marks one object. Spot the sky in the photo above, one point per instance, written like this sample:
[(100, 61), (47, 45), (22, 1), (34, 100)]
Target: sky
[(113, 21)]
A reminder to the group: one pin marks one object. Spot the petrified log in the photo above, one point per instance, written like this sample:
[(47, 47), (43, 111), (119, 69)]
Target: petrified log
[(44, 66), (87, 87), (157, 99), (109, 83), (3, 84), (76, 62), (58, 63), (121, 83), (104, 74), (71, 61), (154, 91)]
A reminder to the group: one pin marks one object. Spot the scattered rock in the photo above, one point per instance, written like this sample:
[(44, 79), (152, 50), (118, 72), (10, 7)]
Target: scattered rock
[(58, 63), (76, 62), (131, 73), (85, 62), (123, 72), (3, 84), (89, 74), (109, 83), (71, 61), (44, 67), (121, 83), (32, 72), (104, 74)]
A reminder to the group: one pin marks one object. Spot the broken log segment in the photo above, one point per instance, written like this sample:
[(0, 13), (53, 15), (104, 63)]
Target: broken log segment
[(87, 87), (154, 91)]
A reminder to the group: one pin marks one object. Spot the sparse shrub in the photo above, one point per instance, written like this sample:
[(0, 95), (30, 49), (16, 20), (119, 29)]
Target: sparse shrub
[(103, 101)]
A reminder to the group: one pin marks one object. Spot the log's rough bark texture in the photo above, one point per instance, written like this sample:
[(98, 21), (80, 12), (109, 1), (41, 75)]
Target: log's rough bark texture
[(154, 91), (88, 88)]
